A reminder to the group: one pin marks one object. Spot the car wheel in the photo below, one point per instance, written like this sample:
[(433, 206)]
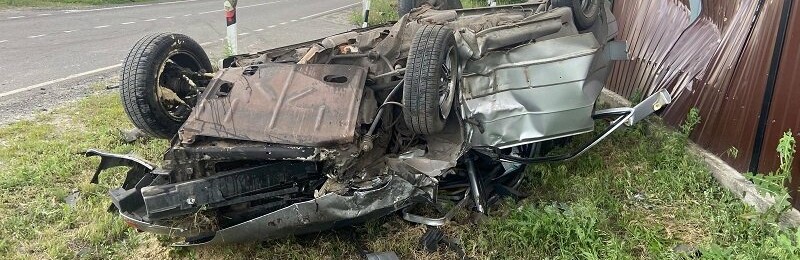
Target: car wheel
[(160, 82), (584, 11), (431, 79), (405, 6)]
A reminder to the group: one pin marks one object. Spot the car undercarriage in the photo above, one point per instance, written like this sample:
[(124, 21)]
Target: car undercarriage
[(440, 106)]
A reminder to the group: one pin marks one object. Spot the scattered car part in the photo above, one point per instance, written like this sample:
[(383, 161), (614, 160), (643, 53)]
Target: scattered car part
[(131, 135), (161, 80), (434, 236)]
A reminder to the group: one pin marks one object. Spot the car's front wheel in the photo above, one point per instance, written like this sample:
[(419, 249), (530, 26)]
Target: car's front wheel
[(161, 82)]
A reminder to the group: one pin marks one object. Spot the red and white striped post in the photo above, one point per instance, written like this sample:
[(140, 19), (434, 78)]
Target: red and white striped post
[(232, 42), (366, 4)]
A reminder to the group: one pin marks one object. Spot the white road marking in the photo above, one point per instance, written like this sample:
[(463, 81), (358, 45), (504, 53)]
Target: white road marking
[(122, 7), (128, 23), (2, 41), (150, 20), (294, 21), (271, 26), (258, 30), (246, 6), (36, 36), (101, 26), (16, 17), (283, 23), (206, 43), (103, 9), (175, 2), (43, 84), (330, 11), (69, 31), (187, 15), (244, 33), (44, 14), (169, 17)]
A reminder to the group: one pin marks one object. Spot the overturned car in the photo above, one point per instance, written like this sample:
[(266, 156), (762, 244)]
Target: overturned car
[(442, 105)]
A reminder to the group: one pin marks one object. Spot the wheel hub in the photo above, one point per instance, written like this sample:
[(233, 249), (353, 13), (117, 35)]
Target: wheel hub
[(448, 83), (175, 92)]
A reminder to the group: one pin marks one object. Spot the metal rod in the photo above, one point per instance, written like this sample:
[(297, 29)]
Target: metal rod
[(391, 73), (349, 56), (474, 185), (380, 111)]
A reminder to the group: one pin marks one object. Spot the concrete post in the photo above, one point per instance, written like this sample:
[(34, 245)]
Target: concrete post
[(366, 4), (232, 43)]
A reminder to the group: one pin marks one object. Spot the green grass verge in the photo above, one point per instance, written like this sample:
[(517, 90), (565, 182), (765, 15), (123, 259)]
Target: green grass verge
[(638, 195), (62, 3)]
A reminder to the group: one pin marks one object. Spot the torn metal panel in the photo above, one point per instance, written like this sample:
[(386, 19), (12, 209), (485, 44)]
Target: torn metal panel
[(108, 161), (311, 104), (323, 213), (533, 92), (440, 154)]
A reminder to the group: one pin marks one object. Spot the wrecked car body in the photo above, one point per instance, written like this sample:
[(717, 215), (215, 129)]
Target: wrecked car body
[(440, 105)]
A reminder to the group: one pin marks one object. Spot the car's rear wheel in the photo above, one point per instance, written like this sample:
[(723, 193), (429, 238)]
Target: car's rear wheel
[(585, 12), (161, 81), (431, 79), (405, 6)]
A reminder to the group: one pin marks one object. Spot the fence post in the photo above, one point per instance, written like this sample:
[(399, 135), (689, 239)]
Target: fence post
[(232, 43), (492, 2), (366, 4)]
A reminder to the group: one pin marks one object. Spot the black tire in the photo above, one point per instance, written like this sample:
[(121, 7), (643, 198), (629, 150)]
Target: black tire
[(142, 73), (429, 86), (585, 12), (405, 6)]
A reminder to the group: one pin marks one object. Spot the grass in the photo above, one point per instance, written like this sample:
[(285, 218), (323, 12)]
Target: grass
[(62, 3), (638, 195)]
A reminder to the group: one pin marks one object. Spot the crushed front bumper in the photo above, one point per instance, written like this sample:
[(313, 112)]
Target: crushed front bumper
[(328, 211)]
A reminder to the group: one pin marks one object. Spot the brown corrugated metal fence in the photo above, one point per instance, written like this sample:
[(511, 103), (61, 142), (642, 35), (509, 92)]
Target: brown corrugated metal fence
[(720, 64), (784, 113)]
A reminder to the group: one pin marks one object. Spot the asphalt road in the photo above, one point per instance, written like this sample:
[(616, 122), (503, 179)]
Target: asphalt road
[(46, 49)]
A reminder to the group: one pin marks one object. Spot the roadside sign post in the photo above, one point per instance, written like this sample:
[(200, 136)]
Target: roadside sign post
[(232, 44), (492, 2), (366, 4)]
